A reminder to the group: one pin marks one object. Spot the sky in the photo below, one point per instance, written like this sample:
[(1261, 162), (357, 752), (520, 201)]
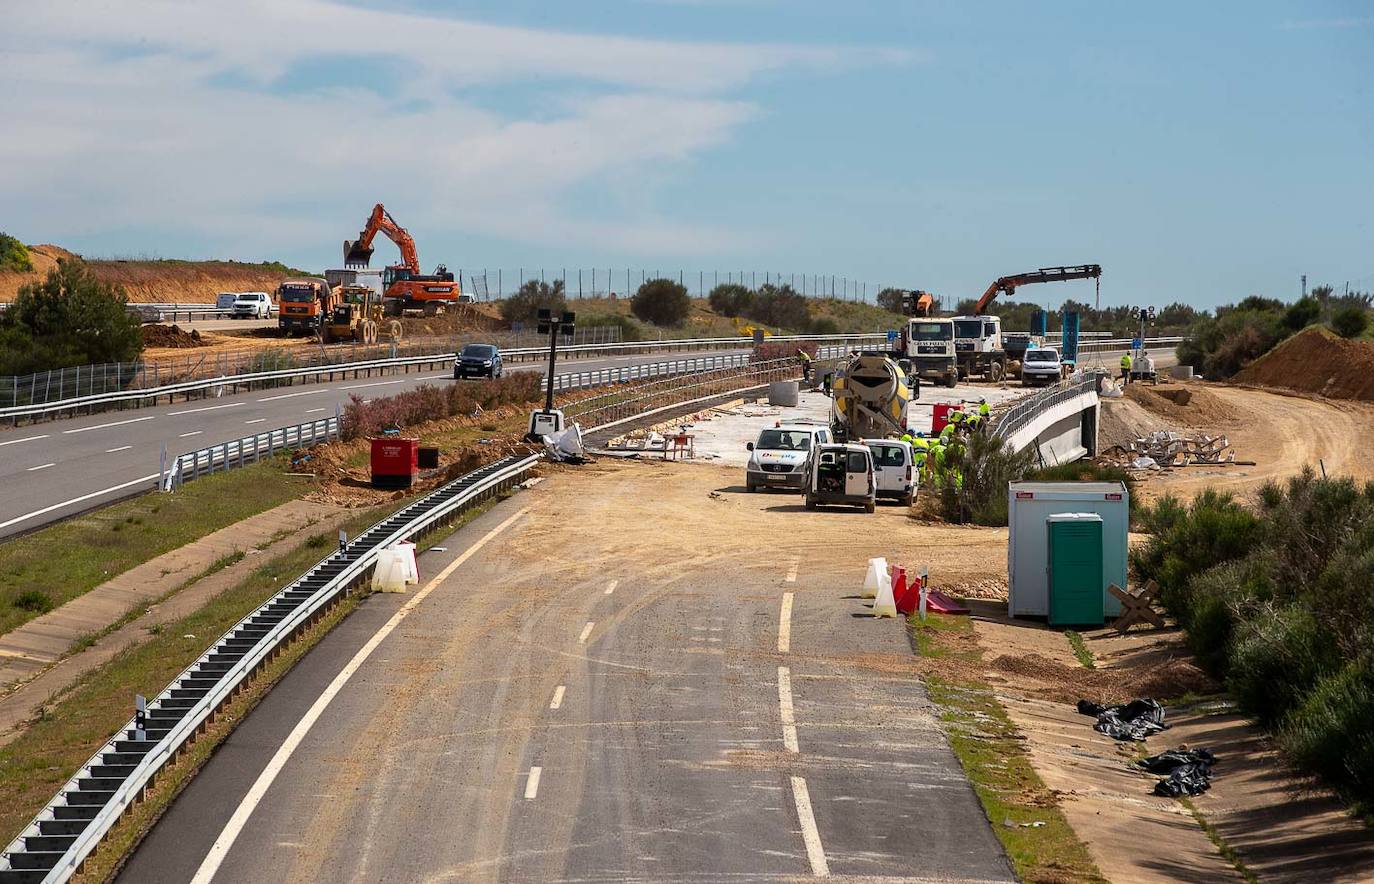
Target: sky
[(1200, 152)]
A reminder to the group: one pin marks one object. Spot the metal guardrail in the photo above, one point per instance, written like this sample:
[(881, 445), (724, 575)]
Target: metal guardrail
[(56, 842), (245, 451), (1024, 411)]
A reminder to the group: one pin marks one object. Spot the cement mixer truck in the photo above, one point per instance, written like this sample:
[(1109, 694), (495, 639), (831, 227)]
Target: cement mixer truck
[(870, 399)]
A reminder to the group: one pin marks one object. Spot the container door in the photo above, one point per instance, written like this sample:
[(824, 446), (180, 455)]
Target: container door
[(1075, 568)]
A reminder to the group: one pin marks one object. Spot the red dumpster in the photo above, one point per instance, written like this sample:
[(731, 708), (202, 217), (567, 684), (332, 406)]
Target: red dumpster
[(394, 462), (940, 416)]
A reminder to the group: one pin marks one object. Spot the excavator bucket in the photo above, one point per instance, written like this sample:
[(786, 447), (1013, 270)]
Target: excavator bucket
[(356, 255)]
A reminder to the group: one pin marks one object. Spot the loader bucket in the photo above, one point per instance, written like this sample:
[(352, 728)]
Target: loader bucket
[(356, 255)]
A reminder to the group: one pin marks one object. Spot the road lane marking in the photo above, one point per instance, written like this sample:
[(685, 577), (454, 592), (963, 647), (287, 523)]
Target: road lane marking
[(313, 410), (206, 408), (40, 467), (785, 624), (25, 439), (811, 836), (57, 506), (220, 849), (532, 784), (132, 420), (789, 717), (792, 569), (586, 631), (375, 384), (292, 395), (192, 433), (120, 448), (256, 420), (610, 587), (557, 700)]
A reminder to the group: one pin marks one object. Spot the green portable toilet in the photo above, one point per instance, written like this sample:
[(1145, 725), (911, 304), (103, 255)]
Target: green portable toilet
[(1075, 569)]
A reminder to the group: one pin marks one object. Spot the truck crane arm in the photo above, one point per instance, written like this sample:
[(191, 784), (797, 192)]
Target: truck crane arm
[(358, 252), (1008, 284)]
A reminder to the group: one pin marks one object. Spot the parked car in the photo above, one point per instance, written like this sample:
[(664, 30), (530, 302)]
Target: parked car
[(476, 361), (1041, 366), (778, 458), (840, 473), (252, 305), (895, 469)]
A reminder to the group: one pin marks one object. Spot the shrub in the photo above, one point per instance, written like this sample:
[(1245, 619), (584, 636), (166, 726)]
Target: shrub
[(1302, 313), (987, 467), (1277, 658), (14, 255), (1350, 322), (530, 298), (662, 302), (70, 318), (629, 329), (824, 325), (770, 350), (33, 600), (1215, 529), (890, 299), (731, 299), (426, 403), (781, 307), (1329, 732)]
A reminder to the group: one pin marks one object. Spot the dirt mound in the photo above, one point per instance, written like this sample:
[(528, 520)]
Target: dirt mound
[(1122, 421), (1181, 405), (1316, 361), (1057, 681), (457, 319), (174, 336)]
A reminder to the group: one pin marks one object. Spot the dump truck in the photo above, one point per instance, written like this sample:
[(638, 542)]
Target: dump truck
[(303, 302), (870, 399)]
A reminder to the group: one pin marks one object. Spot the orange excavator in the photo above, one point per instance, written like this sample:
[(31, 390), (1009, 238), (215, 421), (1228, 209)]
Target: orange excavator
[(404, 286), (1007, 284)]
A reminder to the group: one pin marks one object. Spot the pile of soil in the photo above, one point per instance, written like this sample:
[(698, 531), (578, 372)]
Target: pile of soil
[(1053, 680), (1186, 405), (1316, 361), (173, 336), (1122, 421), (456, 319)]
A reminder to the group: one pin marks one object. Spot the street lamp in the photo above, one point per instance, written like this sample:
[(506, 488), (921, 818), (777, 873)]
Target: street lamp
[(549, 420)]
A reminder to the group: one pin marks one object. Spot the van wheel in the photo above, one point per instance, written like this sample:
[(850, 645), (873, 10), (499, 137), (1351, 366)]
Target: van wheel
[(870, 507), (810, 503)]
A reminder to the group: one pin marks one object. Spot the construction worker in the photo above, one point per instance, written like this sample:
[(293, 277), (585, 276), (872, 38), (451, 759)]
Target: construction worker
[(1126, 363), (805, 359), (983, 409), (918, 459), (947, 433), (973, 422)]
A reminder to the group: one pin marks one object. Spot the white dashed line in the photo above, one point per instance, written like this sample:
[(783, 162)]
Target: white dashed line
[(192, 433), (785, 624), (206, 408), (789, 717), (610, 587), (375, 384), (25, 439), (132, 420), (811, 836), (256, 420), (557, 700), (313, 410), (41, 467), (120, 448), (792, 570), (586, 631), (532, 784), (292, 395)]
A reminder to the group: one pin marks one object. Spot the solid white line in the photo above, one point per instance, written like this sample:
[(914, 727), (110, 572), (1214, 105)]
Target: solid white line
[(206, 408), (57, 506), (610, 587), (40, 467), (375, 384), (557, 700), (192, 433), (256, 420), (811, 836), (132, 420), (120, 448), (532, 784), (313, 410), (25, 439), (220, 849), (586, 631), (785, 624), (789, 717), (292, 395), (792, 570)]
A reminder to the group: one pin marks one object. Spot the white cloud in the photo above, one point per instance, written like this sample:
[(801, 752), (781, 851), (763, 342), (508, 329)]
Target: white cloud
[(118, 119)]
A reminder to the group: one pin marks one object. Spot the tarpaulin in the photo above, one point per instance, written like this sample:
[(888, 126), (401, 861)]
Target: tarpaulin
[(1189, 770), (1136, 720)]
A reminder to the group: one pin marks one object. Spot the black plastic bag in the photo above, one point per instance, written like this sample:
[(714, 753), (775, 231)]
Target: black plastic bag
[(1136, 720), (1189, 770)]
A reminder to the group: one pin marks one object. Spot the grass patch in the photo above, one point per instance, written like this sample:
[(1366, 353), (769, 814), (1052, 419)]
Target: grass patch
[(33, 600), (1080, 650), (1226, 850), (71, 558)]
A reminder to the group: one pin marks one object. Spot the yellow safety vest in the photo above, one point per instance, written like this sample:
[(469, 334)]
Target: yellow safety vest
[(1126, 362)]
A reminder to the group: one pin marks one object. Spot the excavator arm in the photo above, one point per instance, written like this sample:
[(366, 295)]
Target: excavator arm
[(358, 252), (1008, 284)]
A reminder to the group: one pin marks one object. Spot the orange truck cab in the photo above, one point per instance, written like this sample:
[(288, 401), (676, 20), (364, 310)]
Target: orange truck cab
[(303, 302)]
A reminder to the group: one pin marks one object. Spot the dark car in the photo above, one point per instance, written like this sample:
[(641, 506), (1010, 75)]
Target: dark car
[(477, 361)]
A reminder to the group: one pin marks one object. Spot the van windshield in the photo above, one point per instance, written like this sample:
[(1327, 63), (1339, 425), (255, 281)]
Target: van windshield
[(784, 440), (1042, 356)]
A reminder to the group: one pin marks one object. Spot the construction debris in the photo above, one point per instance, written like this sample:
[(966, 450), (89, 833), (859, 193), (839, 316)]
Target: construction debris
[(1166, 448)]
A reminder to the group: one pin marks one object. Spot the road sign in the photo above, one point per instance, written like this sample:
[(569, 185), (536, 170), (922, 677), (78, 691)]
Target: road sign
[(1135, 343), (891, 336)]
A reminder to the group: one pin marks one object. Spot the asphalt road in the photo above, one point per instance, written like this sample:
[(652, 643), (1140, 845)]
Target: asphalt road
[(60, 468), (536, 718)]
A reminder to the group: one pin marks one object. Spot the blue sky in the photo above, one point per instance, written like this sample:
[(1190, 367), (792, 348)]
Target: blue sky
[(1199, 152)]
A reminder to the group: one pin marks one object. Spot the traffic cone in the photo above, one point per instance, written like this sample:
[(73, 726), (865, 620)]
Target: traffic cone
[(901, 593), (883, 604), (876, 579)]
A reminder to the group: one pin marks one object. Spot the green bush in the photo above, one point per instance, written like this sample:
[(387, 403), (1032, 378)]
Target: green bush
[(1329, 733), (530, 298), (629, 329), (70, 318), (1350, 322), (1302, 313), (731, 299), (1214, 529), (986, 467), (1276, 659), (427, 403), (824, 325), (781, 307), (891, 299), (14, 255), (662, 302)]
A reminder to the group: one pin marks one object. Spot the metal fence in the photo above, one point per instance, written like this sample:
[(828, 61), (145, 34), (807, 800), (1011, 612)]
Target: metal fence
[(623, 282), (1023, 412)]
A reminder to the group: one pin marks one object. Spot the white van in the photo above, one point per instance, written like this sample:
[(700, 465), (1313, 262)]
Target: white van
[(840, 473), (778, 458), (253, 305), (894, 465), (225, 300)]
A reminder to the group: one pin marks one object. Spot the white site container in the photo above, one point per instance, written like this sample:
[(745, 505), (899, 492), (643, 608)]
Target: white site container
[(1029, 506)]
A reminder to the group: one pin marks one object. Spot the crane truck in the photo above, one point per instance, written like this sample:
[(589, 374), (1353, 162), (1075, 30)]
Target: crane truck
[(404, 286), (869, 399)]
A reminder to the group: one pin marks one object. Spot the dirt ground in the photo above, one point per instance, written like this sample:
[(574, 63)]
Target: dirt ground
[(185, 282)]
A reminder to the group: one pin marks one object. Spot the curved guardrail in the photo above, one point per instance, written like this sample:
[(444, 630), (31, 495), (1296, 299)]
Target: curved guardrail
[(1023, 412), (56, 842)]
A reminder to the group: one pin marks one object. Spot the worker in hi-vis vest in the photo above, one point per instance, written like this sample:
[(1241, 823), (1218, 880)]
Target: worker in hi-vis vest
[(1126, 363)]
